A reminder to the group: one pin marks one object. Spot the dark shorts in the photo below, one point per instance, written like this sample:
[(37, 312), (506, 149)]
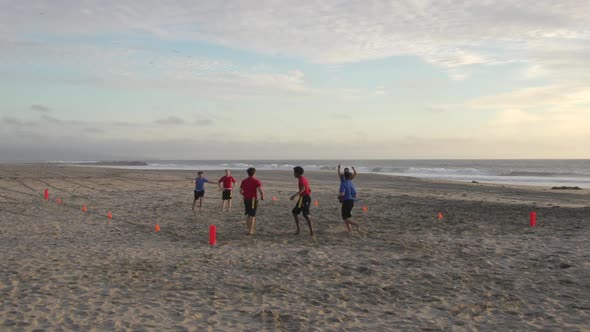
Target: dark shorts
[(250, 206), (303, 204), (199, 194), (226, 195), (347, 206)]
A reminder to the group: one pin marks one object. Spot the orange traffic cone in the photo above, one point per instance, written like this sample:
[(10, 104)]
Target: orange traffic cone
[(274, 198), (365, 209), (440, 216), (157, 228), (110, 215), (316, 203), (58, 201), (84, 209)]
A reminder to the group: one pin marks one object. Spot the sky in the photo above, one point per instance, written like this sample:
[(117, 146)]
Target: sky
[(270, 79)]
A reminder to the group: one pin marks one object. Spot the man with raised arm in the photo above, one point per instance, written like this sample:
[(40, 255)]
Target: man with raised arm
[(346, 170)]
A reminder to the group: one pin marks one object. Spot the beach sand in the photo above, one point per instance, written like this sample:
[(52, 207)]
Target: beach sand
[(481, 267)]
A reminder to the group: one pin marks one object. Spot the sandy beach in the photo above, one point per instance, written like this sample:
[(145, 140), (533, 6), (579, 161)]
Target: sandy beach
[(480, 268)]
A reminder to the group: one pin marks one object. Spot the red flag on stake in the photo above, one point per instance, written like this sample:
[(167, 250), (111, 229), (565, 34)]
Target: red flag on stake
[(533, 218), (212, 235)]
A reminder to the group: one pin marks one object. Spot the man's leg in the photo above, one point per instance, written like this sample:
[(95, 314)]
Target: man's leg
[(351, 223), (248, 223), (195, 201), (309, 223), (229, 205), (348, 227), (201, 204), (307, 205), (296, 217), (253, 225)]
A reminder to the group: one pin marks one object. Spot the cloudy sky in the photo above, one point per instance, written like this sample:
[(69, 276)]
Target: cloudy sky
[(294, 79)]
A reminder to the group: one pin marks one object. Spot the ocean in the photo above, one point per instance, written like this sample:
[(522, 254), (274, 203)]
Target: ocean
[(521, 172)]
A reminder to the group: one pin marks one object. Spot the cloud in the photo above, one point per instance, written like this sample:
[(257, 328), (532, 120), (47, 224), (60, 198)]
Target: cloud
[(341, 116), (561, 96), (380, 91), (436, 109), (541, 127), (515, 117), (41, 147), (547, 37), (447, 34), (18, 123), (51, 119), (170, 120), (204, 122), (40, 108), (94, 130), (115, 44), (50, 122), (128, 67)]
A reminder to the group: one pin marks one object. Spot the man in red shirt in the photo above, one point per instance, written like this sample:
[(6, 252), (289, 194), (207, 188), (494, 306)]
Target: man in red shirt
[(226, 183), (249, 188), (304, 202)]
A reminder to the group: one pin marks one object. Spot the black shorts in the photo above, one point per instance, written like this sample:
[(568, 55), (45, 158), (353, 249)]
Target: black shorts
[(199, 194), (303, 205), (347, 206), (250, 206), (226, 195)]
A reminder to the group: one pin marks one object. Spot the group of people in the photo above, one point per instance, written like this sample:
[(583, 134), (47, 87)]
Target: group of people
[(251, 191)]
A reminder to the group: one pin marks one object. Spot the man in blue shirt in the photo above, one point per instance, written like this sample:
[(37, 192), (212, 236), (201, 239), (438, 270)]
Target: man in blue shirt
[(347, 196), (199, 190)]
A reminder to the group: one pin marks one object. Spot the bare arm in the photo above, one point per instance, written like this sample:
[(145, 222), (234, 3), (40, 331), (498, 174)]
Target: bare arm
[(339, 173), (261, 193), (341, 191), (219, 184), (353, 173), (301, 191)]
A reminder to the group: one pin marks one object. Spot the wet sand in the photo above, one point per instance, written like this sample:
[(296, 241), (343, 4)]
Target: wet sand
[(480, 268)]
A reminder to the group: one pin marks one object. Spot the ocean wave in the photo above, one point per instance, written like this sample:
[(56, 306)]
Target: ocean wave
[(498, 171), (545, 174), (446, 171), (103, 163)]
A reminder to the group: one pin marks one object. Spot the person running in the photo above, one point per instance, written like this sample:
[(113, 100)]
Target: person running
[(227, 184), (199, 190), (304, 201), (347, 196), (346, 170), (250, 188)]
